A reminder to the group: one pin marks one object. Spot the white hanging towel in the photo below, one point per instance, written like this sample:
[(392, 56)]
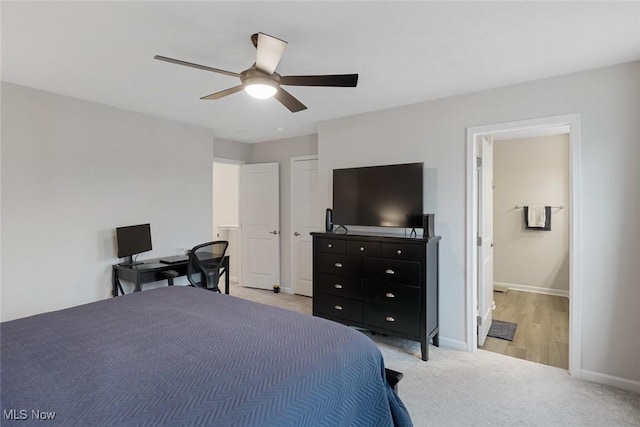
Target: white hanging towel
[(536, 217)]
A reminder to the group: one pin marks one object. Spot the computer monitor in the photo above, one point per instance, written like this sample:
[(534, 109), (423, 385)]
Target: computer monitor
[(132, 240)]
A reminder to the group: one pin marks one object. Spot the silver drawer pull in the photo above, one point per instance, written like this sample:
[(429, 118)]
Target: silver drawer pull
[(337, 286), (389, 295), (338, 265), (390, 271), (329, 245), (338, 307), (390, 319), (361, 248), (399, 252)]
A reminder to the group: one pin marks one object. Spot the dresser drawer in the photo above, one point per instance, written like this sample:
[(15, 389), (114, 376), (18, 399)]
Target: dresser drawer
[(363, 248), (338, 285), (392, 317), (344, 308), (406, 272), (402, 251), (392, 293), (342, 265), (332, 246)]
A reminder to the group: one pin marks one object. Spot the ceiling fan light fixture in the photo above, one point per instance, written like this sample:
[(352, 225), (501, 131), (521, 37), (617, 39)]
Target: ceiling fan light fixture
[(260, 88), (261, 80)]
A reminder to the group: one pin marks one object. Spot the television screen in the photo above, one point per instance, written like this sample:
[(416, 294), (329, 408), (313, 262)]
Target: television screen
[(380, 196), (133, 239)]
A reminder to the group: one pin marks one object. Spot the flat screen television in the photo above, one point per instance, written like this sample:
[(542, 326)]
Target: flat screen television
[(132, 240), (379, 196)]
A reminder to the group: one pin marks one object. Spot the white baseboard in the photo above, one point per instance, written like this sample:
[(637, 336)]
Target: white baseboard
[(451, 343), (622, 383), (534, 289)]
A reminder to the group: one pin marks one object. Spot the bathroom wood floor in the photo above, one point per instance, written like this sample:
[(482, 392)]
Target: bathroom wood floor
[(543, 327)]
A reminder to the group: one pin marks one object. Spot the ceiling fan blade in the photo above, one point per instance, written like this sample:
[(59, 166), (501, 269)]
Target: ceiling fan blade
[(200, 67), (337, 80), (270, 50), (225, 92), (289, 101)]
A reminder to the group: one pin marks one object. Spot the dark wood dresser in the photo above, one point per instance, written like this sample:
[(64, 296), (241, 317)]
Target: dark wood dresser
[(387, 285)]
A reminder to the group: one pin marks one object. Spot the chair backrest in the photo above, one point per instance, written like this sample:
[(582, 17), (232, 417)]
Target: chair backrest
[(205, 261)]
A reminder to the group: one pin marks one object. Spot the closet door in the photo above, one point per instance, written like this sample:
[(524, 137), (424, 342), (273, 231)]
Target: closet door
[(260, 225), (306, 216)]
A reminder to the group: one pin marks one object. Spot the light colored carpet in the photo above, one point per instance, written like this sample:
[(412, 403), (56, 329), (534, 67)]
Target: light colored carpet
[(456, 388)]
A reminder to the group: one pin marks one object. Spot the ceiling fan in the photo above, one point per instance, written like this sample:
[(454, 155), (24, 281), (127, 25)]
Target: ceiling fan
[(261, 81)]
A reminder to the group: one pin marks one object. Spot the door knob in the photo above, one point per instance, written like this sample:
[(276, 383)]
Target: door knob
[(493, 245), (295, 233), (273, 232)]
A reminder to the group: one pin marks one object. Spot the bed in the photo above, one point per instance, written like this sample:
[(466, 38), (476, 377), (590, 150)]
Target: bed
[(187, 356)]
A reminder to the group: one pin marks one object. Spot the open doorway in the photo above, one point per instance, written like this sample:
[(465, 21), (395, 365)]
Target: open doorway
[(530, 286), (226, 216), (246, 214), (510, 216)]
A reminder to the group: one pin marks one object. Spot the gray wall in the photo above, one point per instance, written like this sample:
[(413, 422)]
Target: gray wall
[(608, 100), (72, 171), (232, 150), (531, 171)]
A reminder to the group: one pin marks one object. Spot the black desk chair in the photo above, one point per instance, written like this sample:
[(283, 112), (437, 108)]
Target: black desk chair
[(205, 264)]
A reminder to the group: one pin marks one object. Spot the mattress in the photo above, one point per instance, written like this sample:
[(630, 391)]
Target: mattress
[(187, 356)]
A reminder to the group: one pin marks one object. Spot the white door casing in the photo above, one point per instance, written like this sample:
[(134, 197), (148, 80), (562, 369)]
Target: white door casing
[(485, 228), (260, 222), (306, 216), (575, 290)]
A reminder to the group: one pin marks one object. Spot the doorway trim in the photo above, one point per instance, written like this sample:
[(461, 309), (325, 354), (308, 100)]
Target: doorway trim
[(575, 293)]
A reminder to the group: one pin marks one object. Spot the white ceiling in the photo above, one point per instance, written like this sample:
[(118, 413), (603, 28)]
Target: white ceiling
[(405, 52)]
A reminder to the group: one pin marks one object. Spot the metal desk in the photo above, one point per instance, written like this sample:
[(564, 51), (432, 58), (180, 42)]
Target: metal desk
[(151, 270)]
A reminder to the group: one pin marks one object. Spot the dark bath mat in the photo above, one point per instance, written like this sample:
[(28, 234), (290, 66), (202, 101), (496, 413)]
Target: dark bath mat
[(503, 330)]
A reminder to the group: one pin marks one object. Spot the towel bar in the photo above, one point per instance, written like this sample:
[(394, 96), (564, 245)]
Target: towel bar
[(558, 207)]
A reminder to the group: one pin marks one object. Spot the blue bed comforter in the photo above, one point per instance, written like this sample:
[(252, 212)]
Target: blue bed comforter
[(186, 356)]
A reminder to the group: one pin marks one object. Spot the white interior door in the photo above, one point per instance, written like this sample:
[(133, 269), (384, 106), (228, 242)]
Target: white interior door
[(260, 222), (306, 216), (485, 228)]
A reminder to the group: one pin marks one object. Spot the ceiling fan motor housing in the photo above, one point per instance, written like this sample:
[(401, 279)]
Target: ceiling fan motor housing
[(253, 76)]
